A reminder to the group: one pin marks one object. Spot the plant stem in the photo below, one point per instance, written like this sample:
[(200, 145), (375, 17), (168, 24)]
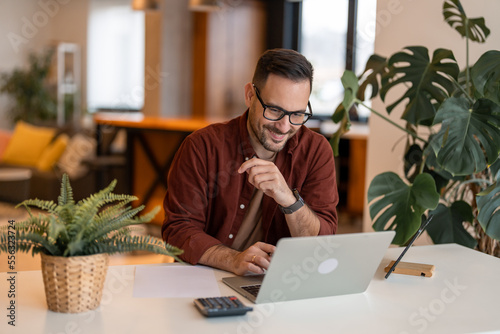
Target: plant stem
[(414, 135), (465, 184), (467, 74), (448, 192), (461, 89), (477, 181), (422, 164)]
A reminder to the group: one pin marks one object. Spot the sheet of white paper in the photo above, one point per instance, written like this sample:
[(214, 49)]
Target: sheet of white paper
[(174, 281)]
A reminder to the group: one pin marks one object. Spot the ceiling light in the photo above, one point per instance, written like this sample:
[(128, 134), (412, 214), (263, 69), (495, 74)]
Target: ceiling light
[(145, 4), (205, 5)]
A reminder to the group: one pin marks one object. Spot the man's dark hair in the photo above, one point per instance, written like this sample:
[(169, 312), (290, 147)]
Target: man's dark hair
[(285, 63)]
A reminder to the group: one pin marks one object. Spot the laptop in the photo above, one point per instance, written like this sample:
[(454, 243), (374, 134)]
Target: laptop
[(312, 267)]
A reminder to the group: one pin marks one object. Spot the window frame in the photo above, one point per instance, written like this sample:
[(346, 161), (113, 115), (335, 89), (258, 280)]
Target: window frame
[(284, 27)]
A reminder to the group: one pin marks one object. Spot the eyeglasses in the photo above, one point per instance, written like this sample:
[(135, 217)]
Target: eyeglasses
[(276, 113)]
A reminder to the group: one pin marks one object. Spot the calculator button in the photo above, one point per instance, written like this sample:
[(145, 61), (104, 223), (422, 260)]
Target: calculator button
[(221, 306)]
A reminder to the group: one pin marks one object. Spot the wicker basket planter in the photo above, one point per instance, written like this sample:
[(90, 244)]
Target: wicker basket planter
[(74, 284), (98, 225)]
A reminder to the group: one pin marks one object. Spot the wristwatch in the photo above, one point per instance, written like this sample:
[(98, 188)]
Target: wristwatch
[(295, 206)]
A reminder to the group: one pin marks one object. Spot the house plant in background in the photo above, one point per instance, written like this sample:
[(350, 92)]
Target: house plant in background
[(75, 239), (32, 95), (451, 160)]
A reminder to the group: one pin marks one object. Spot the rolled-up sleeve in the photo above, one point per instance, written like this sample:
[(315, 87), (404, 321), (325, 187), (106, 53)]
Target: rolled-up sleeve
[(186, 204)]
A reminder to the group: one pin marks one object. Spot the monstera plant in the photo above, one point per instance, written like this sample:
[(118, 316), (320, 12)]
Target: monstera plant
[(453, 173)]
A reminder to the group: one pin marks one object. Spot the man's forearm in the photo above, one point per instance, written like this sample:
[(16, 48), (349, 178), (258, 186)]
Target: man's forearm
[(219, 256), (303, 222), (255, 259)]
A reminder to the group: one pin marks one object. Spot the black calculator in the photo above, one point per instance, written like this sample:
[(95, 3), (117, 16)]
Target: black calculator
[(221, 306)]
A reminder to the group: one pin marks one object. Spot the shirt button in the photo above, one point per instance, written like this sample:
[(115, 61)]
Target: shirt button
[(230, 236), (242, 206), (246, 158)]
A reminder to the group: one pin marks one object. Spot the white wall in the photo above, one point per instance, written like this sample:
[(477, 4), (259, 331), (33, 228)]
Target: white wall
[(403, 23), (31, 25), (17, 39), (66, 20)]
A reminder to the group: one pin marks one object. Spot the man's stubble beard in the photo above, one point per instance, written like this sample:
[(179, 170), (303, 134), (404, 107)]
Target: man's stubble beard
[(265, 142)]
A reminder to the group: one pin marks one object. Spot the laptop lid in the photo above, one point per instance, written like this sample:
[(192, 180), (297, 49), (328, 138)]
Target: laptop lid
[(320, 266)]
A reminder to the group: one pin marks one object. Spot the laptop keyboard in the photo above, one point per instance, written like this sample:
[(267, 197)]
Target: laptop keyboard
[(252, 289)]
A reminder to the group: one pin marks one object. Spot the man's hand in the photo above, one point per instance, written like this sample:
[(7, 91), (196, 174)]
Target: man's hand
[(255, 259), (264, 175)]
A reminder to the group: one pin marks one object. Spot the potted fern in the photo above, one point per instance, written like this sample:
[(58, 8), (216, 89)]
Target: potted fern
[(453, 172), (75, 240)]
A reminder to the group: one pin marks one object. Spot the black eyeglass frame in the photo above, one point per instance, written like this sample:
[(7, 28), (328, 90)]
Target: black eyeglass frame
[(284, 112)]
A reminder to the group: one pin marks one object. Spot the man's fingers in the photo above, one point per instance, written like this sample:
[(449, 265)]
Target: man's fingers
[(247, 165), (267, 248), (262, 261), (256, 269), (258, 264), (264, 254), (261, 175), (254, 162), (258, 257), (258, 180)]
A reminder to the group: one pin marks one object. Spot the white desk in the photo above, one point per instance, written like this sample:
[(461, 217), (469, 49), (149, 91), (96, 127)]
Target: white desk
[(462, 297)]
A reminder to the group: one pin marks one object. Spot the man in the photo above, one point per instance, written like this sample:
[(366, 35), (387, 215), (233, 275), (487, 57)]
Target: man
[(236, 188)]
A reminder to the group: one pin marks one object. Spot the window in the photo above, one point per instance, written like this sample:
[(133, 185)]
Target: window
[(115, 70), (324, 41)]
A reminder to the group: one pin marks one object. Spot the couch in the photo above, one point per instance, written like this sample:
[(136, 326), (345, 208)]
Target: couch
[(48, 153)]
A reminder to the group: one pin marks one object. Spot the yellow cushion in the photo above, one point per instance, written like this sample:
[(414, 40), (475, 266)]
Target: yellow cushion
[(4, 141), (52, 153), (27, 144)]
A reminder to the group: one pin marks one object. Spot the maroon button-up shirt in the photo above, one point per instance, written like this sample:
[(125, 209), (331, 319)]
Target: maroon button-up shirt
[(207, 198)]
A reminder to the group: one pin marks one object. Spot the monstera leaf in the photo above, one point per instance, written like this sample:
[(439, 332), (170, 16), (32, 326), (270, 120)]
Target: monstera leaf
[(488, 204), (474, 29), (465, 134), (428, 81), (412, 161), (375, 68), (350, 83), (447, 225), (391, 197), (343, 118), (495, 167), (486, 75)]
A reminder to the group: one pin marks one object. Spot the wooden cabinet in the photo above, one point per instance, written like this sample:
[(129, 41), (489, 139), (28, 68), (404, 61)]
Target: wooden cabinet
[(226, 47)]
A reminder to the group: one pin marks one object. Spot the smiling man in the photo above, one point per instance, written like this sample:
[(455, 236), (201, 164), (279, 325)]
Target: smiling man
[(236, 188)]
